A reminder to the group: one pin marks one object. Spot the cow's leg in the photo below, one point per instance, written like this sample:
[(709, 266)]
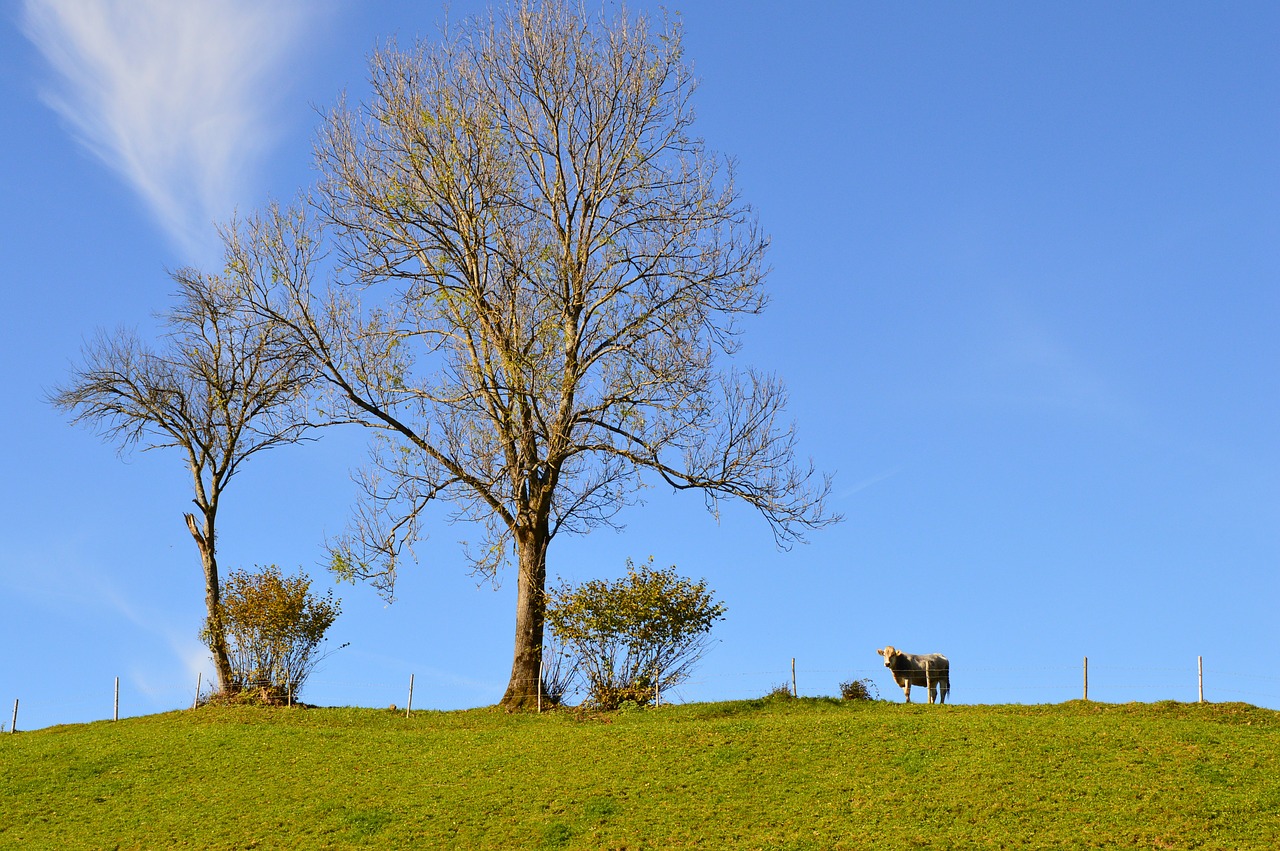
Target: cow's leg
[(944, 687), (906, 690), (928, 681)]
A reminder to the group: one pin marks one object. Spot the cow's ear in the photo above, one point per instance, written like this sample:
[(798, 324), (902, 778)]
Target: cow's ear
[(879, 652)]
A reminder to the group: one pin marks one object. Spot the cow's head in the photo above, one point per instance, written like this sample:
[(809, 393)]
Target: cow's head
[(889, 654)]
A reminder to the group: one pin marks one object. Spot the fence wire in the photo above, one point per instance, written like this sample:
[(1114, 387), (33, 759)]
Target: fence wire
[(980, 684)]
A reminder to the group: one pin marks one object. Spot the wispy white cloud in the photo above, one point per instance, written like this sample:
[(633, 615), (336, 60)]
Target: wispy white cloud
[(868, 482), (61, 580), (1033, 363), (182, 643), (174, 96)]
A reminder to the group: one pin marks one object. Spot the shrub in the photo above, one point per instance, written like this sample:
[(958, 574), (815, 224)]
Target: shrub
[(274, 625), (559, 670), (863, 689), (780, 692), (247, 695), (637, 637)]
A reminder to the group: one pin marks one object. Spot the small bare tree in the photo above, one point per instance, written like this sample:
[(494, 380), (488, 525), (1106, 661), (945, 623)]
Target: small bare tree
[(221, 388), (553, 262)]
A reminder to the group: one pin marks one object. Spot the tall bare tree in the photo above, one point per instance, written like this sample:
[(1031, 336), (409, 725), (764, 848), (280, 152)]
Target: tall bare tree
[(220, 388), (552, 263)]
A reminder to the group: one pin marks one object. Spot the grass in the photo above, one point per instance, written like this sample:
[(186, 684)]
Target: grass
[(768, 774)]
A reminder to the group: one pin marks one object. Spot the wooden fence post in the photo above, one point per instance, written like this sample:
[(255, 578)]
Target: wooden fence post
[(13, 728), (199, 678), (794, 691), (115, 714), (409, 706), (1200, 675), (541, 662), (1086, 678)]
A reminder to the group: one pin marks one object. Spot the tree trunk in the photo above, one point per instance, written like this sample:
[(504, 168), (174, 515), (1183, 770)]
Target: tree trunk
[(212, 599), (531, 607)]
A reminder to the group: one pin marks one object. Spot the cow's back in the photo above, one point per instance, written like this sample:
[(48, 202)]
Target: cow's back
[(910, 667), (939, 665)]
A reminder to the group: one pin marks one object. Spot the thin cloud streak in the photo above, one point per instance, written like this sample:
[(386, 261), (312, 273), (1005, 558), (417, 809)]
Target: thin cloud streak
[(868, 482), (175, 97)]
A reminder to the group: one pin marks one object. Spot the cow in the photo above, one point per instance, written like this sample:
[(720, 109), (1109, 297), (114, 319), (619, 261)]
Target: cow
[(931, 670)]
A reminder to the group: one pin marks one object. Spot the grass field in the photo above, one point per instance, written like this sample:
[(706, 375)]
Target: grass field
[(794, 774)]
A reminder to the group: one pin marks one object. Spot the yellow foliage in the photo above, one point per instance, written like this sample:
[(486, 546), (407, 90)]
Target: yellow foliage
[(273, 626)]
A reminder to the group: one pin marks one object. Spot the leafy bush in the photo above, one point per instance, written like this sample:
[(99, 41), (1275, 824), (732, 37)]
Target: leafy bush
[(274, 625), (637, 637), (863, 689)]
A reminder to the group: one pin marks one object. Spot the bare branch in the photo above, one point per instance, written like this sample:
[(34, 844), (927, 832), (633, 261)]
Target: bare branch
[(222, 386), (534, 269)]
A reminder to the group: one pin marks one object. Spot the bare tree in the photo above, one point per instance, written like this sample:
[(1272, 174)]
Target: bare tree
[(555, 263), (221, 388)]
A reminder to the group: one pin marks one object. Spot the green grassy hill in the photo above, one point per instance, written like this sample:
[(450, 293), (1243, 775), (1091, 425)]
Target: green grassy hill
[(750, 774)]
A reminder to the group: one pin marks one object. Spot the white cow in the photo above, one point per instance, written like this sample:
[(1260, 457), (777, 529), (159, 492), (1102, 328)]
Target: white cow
[(931, 670)]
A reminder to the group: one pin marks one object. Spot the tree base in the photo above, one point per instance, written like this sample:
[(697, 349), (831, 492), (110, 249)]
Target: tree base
[(519, 701)]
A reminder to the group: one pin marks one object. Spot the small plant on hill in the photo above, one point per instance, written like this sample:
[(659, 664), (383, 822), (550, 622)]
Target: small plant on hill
[(863, 689), (274, 626), (637, 637), (780, 692), (559, 670)]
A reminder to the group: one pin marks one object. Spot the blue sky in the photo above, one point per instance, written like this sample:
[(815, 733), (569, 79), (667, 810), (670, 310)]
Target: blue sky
[(1024, 292)]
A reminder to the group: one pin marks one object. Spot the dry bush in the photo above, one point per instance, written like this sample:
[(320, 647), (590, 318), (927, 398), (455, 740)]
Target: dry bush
[(780, 692), (863, 689), (274, 627)]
